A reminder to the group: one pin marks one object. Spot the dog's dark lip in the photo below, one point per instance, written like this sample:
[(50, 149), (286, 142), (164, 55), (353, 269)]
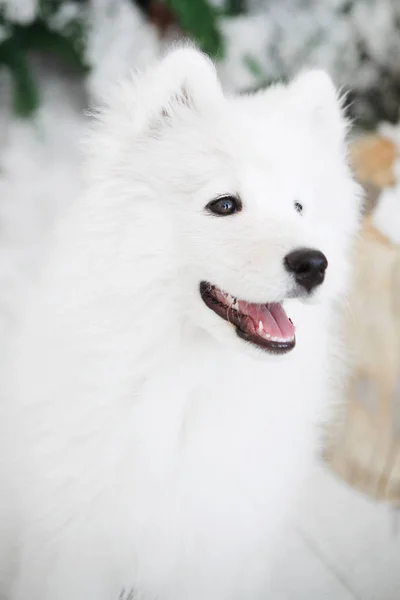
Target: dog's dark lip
[(244, 325), (271, 347)]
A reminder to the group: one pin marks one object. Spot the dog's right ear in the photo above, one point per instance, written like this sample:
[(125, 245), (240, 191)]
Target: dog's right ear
[(315, 98), (183, 78)]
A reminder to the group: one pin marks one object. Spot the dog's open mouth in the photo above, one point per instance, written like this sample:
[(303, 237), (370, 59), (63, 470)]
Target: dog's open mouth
[(267, 326)]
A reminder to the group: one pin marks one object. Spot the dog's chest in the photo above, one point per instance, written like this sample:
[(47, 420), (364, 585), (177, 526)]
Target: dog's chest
[(204, 407), (216, 453)]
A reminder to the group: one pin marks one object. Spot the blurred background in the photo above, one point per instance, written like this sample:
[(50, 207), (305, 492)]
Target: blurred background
[(56, 57)]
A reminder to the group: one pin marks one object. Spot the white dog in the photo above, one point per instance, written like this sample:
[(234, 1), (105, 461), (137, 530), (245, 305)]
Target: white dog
[(162, 407)]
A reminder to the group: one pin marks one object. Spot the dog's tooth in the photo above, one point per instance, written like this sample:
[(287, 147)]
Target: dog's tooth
[(278, 339), (230, 299), (263, 333)]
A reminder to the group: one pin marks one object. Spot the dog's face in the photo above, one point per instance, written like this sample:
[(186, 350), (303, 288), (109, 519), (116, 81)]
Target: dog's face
[(261, 199)]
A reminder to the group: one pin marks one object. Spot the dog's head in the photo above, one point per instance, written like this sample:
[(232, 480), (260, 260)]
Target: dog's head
[(254, 191)]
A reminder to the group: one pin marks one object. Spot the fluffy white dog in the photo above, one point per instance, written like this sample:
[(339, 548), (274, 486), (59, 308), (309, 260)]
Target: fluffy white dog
[(162, 407)]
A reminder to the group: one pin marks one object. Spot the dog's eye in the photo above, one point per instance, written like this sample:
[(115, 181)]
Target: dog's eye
[(298, 207), (224, 206)]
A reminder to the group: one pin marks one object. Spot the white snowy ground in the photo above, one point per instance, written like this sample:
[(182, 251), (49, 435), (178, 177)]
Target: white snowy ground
[(341, 546)]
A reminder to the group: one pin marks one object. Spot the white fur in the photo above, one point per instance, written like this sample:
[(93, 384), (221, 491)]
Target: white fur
[(144, 445)]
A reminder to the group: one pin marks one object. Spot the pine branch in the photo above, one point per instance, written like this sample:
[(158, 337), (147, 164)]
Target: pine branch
[(38, 37), (25, 93), (235, 7), (198, 19)]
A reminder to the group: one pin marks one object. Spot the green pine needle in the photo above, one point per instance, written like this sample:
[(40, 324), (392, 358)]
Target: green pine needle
[(235, 7), (26, 93), (199, 20), (253, 65), (69, 50)]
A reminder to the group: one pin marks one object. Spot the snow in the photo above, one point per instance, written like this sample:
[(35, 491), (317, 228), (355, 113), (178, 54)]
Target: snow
[(39, 176), (20, 11), (245, 36), (68, 11), (278, 37), (119, 39), (284, 37), (341, 546)]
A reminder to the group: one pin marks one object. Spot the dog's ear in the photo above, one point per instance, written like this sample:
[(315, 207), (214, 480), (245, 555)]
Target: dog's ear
[(186, 79), (315, 97)]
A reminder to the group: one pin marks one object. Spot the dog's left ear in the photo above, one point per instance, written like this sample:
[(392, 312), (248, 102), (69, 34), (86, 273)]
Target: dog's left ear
[(315, 98), (184, 79)]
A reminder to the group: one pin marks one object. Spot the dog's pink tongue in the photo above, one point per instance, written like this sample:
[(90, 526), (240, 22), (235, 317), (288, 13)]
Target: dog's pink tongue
[(270, 320)]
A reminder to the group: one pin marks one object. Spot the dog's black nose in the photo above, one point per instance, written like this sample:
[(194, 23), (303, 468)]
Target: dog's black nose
[(308, 267)]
